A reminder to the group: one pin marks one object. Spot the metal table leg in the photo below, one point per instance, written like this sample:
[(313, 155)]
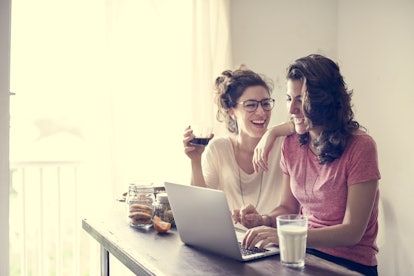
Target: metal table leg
[(104, 261)]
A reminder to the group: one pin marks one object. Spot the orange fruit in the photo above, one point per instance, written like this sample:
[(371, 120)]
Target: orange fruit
[(160, 225)]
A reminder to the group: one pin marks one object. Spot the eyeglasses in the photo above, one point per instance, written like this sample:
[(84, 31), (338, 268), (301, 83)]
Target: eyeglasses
[(252, 105)]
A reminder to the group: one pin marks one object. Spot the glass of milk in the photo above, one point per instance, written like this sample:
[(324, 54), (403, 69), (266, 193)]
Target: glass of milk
[(292, 231)]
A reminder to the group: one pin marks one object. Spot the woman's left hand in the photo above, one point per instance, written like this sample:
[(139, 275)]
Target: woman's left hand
[(261, 152), (261, 237), (248, 217)]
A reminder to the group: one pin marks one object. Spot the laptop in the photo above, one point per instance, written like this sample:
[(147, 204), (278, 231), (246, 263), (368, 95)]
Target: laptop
[(204, 221)]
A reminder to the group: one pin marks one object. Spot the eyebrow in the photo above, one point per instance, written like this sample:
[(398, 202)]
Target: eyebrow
[(296, 97), (255, 100)]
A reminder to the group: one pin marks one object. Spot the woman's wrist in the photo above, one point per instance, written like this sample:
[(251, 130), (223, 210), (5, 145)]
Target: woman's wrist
[(291, 127), (284, 129), (266, 220)]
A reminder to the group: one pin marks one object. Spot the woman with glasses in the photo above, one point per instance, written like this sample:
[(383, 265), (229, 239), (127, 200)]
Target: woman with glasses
[(330, 170), (245, 105)]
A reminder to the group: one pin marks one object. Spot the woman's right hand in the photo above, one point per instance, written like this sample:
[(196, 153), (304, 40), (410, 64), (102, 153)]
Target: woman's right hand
[(190, 150)]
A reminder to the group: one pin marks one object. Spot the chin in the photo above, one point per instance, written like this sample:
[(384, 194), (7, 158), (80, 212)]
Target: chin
[(301, 130), (259, 134)]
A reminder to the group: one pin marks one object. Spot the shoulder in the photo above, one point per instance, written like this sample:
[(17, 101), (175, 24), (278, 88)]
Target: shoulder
[(291, 148), (289, 141), (220, 143), (361, 139), (361, 147)]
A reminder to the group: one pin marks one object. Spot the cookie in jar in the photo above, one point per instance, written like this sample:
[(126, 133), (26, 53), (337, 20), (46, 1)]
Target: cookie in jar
[(140, 205)]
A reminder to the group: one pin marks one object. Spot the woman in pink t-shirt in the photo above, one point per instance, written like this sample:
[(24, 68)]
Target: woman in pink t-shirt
[(330, 170)]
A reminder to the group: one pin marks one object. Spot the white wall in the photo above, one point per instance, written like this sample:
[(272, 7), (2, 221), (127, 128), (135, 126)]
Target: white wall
[(376, 49), (374, 44), (269, 34)]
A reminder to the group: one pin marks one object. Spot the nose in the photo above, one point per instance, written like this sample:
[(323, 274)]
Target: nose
[(260, 109), (293, 107)]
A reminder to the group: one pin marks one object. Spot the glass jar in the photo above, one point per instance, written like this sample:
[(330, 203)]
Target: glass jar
[(163, 208), (140, 204)]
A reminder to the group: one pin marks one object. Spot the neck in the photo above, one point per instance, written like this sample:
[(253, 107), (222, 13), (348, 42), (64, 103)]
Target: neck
[(315, 132), (244, 150), (313, 135), (247, 143)]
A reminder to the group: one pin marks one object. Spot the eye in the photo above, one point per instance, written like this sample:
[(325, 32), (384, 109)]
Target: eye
[(250, 104), (266, 104), (288, 99)]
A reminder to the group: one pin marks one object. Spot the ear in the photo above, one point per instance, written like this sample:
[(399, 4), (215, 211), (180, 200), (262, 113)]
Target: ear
[(232, 114)]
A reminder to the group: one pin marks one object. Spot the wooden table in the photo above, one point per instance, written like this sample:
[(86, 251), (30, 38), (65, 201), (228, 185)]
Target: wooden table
[(151, 253)]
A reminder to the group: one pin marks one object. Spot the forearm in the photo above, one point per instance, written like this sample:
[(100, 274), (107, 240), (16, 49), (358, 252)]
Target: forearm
[(283, 129), (332, 236), (361, 198), (270, 219), (197, 178), (288, 204)]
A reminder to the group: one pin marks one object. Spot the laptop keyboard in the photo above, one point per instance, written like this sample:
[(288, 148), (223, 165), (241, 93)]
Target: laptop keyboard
[(246, 252)]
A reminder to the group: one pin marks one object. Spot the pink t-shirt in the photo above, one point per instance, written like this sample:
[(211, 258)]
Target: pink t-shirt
[(323, 198)]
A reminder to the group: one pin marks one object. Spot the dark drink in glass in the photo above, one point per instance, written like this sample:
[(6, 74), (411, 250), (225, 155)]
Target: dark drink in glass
[(200, 141)]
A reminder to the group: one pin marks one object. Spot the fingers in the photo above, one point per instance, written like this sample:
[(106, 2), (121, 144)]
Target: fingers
[(260, 236), (236, 216), (249, 217), (248, 210), (260, 161), (252, 237), (188, 135), (250, 220)]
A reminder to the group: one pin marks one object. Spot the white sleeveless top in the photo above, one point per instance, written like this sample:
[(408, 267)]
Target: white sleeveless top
[(221, 171)]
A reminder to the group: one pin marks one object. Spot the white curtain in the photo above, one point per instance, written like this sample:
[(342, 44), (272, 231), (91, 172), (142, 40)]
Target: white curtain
[(211, 56), (163, 58), (114, 83)]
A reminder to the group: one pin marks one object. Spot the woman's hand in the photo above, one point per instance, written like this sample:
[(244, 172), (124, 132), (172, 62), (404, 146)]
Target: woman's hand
[(262, 150), (248, 217), (261, 237), (190, 150), (265, 145)]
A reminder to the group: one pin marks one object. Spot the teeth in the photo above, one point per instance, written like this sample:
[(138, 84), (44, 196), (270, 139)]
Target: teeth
[(258, 122), (298, 120)]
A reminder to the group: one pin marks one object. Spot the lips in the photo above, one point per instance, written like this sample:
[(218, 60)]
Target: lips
[(258, 122), (298, 121)]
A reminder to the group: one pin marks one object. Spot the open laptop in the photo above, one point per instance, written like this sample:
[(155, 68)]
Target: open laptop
[(203, 220)]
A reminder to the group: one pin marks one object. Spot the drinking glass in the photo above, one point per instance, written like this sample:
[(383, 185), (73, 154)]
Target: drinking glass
[(292, 231), (202, 135)]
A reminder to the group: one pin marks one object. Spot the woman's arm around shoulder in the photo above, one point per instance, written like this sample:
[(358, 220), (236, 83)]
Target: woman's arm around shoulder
[(265, 145)]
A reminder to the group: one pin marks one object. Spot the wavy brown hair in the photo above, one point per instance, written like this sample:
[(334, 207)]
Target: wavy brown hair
[(326, 102)]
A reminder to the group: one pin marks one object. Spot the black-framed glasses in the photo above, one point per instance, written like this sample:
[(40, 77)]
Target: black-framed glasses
[(252, 105)]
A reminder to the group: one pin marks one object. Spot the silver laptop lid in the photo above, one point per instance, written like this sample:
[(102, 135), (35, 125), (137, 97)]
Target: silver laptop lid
[(203, 219)]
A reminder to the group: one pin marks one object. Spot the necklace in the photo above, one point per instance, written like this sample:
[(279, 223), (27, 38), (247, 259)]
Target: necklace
[(308, 198), (240, 184)]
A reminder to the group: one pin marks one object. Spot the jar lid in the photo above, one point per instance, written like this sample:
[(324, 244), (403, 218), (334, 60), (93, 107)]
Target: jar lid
[(162, 197)]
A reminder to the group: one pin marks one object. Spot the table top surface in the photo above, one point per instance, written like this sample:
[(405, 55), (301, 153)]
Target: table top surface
[(147, 252)]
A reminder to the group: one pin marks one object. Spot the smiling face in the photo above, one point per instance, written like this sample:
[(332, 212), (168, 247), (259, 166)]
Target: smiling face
[(255, 123), (294, 105), (294, 102)]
